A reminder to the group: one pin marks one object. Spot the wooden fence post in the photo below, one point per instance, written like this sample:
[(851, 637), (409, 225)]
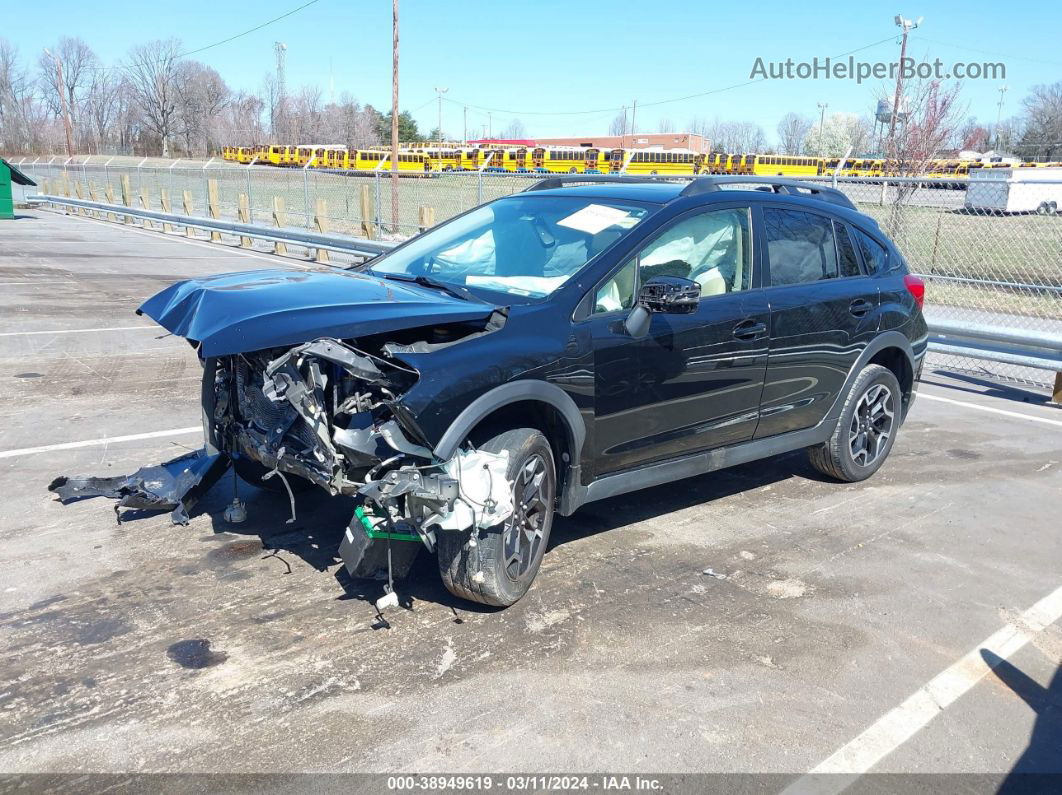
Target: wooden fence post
[(212, 207), (77, 192), (1056, 393), (127, 196), (320, 222), (164, 201), (368, 229), (188, 210), (427, 218), (280, 219), (109, 193), (245, 218), (94, 195), (144, 206)]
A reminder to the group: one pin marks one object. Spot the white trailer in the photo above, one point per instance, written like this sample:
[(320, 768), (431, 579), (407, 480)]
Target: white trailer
[(1015, 190)]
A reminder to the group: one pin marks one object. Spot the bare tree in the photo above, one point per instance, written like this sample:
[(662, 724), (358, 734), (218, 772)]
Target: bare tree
[(103, 105), (933, 116), (792, 130), (152, 70), (515, 129), (1042, 138), (665, 126), (201, 97), (80, 65), (618, 126)]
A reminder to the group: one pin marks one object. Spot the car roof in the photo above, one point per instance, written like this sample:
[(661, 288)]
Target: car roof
[(663, 192)]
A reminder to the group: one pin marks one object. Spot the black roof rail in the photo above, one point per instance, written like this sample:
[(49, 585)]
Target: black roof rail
[(793, 187), (706, 184), (559, 181)]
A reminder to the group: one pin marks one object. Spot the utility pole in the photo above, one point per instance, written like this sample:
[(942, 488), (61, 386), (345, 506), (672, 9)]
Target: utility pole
[(394, 117), (280, 48), (490, 124), (999, 113), (822, 125), (464, 127), (63, 103), (440, 92), (907, 26), (634, 113), (623, 132)]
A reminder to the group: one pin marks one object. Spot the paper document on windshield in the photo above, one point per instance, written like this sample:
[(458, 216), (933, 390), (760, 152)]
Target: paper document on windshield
[(594, 218)]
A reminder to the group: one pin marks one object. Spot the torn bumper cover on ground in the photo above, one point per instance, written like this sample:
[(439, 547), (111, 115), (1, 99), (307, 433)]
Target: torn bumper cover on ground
[(172, 486)]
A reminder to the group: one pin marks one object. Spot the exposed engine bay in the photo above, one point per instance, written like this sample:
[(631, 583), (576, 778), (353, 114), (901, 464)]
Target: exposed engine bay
[(330, 414)]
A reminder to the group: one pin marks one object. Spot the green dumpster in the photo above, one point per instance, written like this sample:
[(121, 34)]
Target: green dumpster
[(9, 174)]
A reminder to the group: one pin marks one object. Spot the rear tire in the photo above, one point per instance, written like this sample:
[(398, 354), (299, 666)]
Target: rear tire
[(499, 569), (866, 429)]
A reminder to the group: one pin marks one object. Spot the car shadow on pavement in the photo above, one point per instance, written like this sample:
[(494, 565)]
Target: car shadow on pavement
[(638, 506), (1041, 756), (986, 386), (320, 521)]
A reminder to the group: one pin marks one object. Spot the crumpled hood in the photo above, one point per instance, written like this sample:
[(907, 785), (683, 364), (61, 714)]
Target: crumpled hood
[(240, 312)]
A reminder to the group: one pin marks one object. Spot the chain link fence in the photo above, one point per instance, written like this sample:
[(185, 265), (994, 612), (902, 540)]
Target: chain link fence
[(990, 250)]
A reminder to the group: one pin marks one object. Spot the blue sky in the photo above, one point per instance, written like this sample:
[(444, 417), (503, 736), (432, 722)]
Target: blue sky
[(546, 62)]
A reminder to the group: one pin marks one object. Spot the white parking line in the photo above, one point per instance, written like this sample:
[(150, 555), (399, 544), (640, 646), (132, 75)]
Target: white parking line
[(134, 437), (992, 409), (80, 330), (897, 726)]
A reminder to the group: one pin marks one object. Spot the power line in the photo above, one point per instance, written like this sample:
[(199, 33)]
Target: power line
[(598, 111), (988, 52), (246, 32)]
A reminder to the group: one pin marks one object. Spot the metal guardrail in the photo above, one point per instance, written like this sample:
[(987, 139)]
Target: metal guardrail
[(1023, 347), (348, 245)]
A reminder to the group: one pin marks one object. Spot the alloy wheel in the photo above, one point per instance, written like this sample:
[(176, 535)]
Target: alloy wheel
[(872, 424), (532, 497)]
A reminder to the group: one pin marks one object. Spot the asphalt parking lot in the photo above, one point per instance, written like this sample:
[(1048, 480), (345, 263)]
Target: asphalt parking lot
[(843, 627)]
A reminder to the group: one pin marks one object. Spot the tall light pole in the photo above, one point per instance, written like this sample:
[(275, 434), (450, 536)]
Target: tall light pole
[(440, 91), (61, 86), (907, 26), (999, 113), (394, 116)]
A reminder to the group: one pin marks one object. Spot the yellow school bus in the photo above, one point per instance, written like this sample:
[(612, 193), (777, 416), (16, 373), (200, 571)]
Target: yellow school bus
[(279, 155), (786, 165), (228, 153), (380, 159), (245, 154), (656, 161)]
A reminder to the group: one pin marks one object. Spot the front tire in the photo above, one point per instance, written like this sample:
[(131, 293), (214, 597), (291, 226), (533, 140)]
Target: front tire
[(866, 429), (499, 569)]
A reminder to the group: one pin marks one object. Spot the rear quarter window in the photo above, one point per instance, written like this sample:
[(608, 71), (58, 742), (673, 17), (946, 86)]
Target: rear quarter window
[(874, 254)]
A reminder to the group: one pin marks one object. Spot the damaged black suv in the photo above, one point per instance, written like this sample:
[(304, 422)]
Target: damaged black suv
[(587, 337)]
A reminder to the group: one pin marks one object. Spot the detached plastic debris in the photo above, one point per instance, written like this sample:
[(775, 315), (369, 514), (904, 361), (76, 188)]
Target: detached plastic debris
[(713, 573), (171, 486)]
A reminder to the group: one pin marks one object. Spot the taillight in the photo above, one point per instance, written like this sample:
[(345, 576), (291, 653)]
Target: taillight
[(916, 287)]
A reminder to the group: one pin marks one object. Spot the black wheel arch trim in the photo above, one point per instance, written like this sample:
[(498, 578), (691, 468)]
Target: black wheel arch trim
[(886, 339), (516, 392)]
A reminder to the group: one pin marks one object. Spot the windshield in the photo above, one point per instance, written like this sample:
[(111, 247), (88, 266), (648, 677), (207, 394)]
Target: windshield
[(522, 245)]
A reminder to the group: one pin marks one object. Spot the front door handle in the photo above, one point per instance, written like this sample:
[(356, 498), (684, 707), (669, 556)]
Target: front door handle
[(750, 330), (860, 307)]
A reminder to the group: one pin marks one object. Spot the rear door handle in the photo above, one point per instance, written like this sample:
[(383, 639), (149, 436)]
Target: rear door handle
[(750, 330), (860, 307)]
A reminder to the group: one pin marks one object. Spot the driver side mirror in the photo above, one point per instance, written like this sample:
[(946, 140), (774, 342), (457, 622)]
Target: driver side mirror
[(673, 295)]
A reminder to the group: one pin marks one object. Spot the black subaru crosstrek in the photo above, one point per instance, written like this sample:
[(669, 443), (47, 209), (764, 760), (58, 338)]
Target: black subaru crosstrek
[(584, 338)]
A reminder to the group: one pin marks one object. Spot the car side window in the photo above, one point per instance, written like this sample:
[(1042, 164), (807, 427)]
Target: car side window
[(801, 247), (712, 248), (846, 251), (874, 254)]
